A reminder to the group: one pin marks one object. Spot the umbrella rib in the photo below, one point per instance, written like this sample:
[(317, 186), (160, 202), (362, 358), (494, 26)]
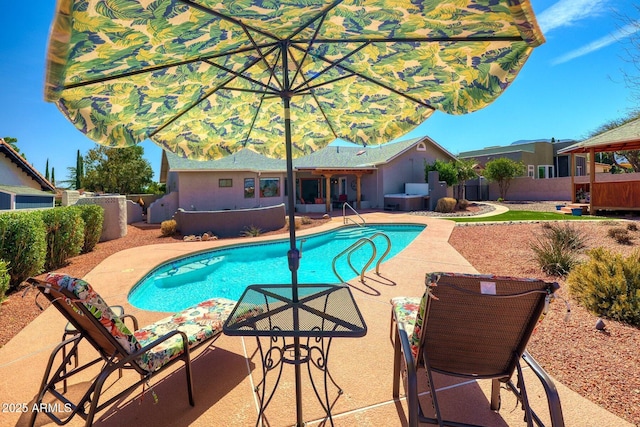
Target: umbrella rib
[(226, 18), (212, 91), (333, 65), (306, 52), (322, 14), (369, 79), (418, 39), (263, 57)]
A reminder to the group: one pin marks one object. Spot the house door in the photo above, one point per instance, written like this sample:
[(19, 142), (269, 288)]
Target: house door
[(342, 185)]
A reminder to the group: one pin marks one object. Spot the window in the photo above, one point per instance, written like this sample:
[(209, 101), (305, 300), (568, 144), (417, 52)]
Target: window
[(530, 171), (269, 187), (545, 171), (225, 182), (421, 147), (249, 188)]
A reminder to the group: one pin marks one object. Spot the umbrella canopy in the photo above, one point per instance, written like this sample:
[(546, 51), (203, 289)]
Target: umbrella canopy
[(205, 78)]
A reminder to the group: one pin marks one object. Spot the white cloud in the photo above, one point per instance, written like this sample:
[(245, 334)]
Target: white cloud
[(618, 35), (565, 13)]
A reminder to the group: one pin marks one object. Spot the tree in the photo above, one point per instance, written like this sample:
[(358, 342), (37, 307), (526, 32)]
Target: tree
[(452, 172), (465, 171), (79, 172), (13, 142), (116, 170), (46, 171), (503, 170), (446, 170), (53, 176)]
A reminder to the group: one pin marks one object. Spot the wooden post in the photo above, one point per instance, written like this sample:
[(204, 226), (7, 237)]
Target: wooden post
[(592, 176), (572, 168), (327, 199), (358, 192)]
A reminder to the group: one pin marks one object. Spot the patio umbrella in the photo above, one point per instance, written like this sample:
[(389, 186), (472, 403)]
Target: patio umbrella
[(206, 78)]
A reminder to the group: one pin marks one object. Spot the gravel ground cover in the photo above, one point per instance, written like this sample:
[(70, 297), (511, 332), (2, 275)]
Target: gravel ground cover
[(603, 366)]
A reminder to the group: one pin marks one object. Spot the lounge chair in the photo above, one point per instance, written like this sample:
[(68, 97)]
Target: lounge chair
[(148, 350), (470, 326)]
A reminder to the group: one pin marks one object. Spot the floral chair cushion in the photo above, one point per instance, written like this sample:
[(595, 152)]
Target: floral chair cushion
[(96, 305), (199, 323), (407, 310)]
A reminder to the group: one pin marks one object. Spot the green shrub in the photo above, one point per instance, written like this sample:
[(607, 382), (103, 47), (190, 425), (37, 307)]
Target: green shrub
[(556, 249), (168, 227), (463, 204), (446, 205), (65, 235), (93, 217), (5, 279), (608, 285), (620, 235), (23, 244), (251, 231)]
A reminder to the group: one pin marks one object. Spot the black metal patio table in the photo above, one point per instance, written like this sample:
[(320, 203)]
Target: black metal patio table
[(321, 313)]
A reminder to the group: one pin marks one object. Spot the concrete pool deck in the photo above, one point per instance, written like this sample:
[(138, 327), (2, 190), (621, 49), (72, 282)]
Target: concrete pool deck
[(226, 372)]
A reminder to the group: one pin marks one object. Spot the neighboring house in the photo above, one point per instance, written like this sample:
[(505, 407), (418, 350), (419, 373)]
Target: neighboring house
[(540, 157), (247, 179), (21, 185)]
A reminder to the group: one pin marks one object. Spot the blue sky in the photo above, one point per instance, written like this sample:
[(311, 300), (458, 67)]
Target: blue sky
[(570, 86)]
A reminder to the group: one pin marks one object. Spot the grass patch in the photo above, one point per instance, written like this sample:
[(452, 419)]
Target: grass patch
[(528, 216)]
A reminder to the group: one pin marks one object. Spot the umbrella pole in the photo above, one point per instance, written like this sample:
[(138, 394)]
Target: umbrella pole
[(293, 256)]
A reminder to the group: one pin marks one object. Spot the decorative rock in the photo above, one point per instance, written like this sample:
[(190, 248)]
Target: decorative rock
[(205, 237), (600, 325), (326, 216)]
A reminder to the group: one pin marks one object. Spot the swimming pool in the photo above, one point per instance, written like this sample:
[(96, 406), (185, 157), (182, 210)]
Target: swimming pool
[(226, 272)]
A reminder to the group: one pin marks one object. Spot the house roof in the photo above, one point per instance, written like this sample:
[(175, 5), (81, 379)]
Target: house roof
[(358, 157), (330, 157), (20, 161), (622, 138), (245, 159), (527, 146), (22, 190)]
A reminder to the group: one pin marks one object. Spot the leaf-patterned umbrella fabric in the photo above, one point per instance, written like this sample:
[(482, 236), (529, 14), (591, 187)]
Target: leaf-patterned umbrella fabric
[(205, 78)]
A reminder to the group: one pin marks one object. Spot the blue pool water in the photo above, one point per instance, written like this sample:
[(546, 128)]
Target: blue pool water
[(226, 272)]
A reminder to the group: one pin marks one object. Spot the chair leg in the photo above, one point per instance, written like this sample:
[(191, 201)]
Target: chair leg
[(396, 366), (495, 395)]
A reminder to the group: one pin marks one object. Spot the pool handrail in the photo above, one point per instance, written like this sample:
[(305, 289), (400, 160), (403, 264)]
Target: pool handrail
[(357, 245), (345, 219)]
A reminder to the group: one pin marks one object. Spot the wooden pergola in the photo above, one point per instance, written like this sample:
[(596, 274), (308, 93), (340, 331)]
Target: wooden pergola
[(616, 195), (327, 173)]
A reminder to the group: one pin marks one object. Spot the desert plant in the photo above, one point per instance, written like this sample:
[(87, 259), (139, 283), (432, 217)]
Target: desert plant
[(608, 285), (168, 227), (556, 249), (620, 235), (305, 220), (65, 235), (463, 204), (298, 222), (632, 226), (446, 205), (5, 279), (251, 231), (93, 217), (23, 244)]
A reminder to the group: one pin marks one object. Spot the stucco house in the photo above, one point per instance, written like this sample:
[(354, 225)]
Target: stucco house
[(540, 157), (21, 185), (340, 171)]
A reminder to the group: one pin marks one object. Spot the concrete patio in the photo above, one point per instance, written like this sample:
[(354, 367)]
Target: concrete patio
[(226, 373)]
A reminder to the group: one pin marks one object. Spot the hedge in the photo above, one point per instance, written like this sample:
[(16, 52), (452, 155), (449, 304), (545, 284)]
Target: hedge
[(65, 235), (93, 217), (23, 244)]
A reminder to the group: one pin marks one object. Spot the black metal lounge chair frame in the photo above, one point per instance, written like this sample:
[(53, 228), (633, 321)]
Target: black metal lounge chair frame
[(114, 358), (402, 347)]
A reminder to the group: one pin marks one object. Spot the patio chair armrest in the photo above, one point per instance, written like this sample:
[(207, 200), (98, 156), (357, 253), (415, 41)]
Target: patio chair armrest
[(134, 320), (403, 348), (553, 399)]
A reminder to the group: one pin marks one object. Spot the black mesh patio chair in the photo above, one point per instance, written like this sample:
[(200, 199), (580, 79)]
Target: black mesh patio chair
[(471, 326)]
